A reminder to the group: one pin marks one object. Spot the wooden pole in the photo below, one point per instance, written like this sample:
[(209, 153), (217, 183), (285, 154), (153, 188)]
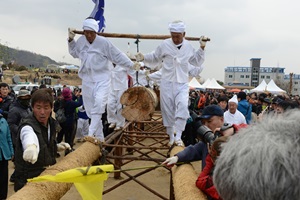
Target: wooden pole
[(137, 36)]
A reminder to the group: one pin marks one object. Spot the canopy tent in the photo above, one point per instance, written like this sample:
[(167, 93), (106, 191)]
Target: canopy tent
[(213, 84), (70, 67), (195, 84), (273, 88), (261, 87), (206, 83), (270, 87)]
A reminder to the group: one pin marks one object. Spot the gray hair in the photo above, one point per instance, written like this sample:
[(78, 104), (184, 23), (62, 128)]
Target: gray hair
[(262, 162)]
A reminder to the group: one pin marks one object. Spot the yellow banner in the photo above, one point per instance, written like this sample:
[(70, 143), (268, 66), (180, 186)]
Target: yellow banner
[(87, 180)]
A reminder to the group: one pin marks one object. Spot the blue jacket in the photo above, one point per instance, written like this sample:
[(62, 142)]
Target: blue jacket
[(194, 153), (6, 146), (246, 109)]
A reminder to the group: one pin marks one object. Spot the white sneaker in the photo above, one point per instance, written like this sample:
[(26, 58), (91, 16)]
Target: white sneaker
[(112, 125), (117, 128), (179, 143)]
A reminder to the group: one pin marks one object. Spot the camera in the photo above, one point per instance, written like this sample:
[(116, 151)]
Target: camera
[(202, 131)]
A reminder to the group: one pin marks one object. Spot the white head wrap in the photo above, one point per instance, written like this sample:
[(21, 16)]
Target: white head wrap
[(234, 99), (177, 27), (90, 25)]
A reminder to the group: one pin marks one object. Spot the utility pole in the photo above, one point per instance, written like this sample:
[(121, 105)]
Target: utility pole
[(291, 83)]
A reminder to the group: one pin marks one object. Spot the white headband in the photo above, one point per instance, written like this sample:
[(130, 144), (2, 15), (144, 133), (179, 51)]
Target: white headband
[(90, 25), (177, 27)]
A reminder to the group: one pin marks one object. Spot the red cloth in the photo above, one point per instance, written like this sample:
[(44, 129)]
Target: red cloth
[(205, 180), (237, 127)]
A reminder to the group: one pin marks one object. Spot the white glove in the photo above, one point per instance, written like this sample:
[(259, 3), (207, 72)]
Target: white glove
[(31, 153), (170, 161), (71, 33), (63, 146), (136, 66), (202, 41), (139, 57)]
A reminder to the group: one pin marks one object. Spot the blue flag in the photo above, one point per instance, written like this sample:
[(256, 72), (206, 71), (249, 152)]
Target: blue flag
[(97, 14)]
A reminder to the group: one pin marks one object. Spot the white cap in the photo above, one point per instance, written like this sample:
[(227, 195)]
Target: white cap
[(90, 25), (177, 26), (234, 99)]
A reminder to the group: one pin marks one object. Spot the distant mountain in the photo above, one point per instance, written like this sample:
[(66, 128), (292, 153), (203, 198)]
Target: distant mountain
[(25, 58)]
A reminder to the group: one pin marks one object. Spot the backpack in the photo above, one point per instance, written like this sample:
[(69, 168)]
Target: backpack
[(60, 115)]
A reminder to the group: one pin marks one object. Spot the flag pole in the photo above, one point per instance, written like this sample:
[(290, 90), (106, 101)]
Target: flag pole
[(135, 36)]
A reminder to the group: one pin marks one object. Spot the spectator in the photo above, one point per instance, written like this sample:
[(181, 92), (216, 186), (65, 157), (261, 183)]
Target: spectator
[(244, 106), (82, 124), (36, 142), (5, 99), (67, 127), (262, 161), (6, 153), (205, 179), (211, 118), (222, 102), (19, 110)]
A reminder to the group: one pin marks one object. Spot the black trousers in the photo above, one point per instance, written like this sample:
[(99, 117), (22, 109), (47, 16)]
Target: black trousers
[(3, 178)]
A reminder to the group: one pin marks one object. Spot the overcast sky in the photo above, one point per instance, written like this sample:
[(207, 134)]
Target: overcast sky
[(239, 29)]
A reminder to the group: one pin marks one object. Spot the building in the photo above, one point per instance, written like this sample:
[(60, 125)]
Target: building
[(244, 77), (253, 75)]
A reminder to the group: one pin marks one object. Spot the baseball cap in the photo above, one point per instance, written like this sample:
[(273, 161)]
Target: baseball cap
[(24, 93), (210, 111)]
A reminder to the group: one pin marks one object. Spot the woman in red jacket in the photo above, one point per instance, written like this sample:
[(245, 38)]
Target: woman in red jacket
[(205, 179)]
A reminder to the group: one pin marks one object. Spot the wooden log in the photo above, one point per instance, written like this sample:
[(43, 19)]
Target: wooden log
[(184, 180), (139, 103), (137, 36), (83, 156)]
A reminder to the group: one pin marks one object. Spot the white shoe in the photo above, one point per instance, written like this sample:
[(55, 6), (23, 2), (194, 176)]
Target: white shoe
[(112, 125), (179, 143), (117, 128)]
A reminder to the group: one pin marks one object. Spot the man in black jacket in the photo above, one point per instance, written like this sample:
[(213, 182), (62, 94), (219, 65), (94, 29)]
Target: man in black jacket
[(36, 141), (17, 111)]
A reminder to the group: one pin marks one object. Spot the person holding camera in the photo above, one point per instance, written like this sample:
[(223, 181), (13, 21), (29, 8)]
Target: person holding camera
[(209, 126)]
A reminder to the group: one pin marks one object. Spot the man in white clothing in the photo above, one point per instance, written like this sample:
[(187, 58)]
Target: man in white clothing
[(175, 54), (119, 84), (96, 54), (233, 115)]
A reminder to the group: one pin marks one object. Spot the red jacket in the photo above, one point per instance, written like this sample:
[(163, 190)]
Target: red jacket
[(201, 102), (205, 180)]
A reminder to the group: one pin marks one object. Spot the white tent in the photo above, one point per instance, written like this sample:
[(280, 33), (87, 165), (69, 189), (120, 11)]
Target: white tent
[(194, 83), (261, 87), (213, 84), (273, 88), (206, 83)]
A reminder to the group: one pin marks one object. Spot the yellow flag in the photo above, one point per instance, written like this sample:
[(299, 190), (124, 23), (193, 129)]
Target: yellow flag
[(87, 180)]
